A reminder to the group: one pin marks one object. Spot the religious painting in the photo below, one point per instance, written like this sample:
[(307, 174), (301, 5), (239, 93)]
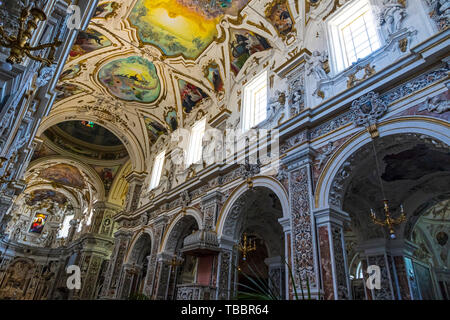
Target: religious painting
[(279, 15), (190, 95), (212, 73), (38, 223), (88, 41), (171, 119), (189, 269), (70, 73), (181, 27), (154, 129), (107, 175), (106, 10), (64, 174), (66, 90), (40, 195), (243, 44), (132, 79)]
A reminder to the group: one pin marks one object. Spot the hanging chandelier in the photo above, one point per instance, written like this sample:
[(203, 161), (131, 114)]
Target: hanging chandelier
[(388, 220), (19, 44), (246, 245)]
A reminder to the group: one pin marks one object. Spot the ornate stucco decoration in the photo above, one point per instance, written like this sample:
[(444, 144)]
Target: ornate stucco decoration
[(45, 75), (437, 104), (440, 12), (367, 110), (317, 65), (368, 70), (392, 15)]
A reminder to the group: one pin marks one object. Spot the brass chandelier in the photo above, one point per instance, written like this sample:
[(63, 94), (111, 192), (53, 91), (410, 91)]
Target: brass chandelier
[(19, 44), (388, 220), (246, 245)]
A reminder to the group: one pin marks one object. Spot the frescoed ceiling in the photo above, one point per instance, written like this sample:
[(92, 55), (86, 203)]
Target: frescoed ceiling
[(181, 27), (85, 139), (152, 66), (64, 174)]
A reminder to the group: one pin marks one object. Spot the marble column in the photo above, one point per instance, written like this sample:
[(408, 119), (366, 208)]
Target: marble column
[(90, 280), (164, 269), (277, 275), (102, 221), (393, 257), (135, 181), (121, 242), (211, 205), (333, 256), (151, 277), (226, 271), (303, 257)]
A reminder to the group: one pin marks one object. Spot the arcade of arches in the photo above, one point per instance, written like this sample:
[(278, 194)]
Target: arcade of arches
[(123, 152)]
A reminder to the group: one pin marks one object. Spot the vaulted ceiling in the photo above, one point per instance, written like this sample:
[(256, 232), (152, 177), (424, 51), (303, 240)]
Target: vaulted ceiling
[(158, 60)]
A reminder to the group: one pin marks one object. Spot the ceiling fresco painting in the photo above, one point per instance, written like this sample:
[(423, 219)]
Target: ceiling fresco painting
[(183, 27), (132, 79), (64, 174), (88, 41), (66, 90), (190, 95), (171, 119), (40, 195), (71, 72), (154, 129), (243, 44), (107, 174), (106, 10), (279, 15), (97, 134), (212, 73)]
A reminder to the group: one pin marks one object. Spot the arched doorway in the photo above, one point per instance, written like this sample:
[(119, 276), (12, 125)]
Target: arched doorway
[(414, 172), (257, 245), (181, 266), (138, 263)]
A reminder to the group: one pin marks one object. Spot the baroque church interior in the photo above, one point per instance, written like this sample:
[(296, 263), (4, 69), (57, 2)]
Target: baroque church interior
[(188, 149)]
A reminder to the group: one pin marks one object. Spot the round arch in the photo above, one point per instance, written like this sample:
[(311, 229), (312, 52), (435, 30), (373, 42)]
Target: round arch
[(86, 169), (432, 127), (134, 241), (260, 181), (128, 138), (189, 211), (47, 186)]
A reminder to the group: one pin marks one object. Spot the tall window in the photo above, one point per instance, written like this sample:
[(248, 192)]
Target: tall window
[(157, 169), (353, 33), (64, 231), (194, 154), (255, 101)]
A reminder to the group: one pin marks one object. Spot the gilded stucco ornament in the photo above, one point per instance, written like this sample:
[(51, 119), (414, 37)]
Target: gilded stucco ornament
[(367, 110)]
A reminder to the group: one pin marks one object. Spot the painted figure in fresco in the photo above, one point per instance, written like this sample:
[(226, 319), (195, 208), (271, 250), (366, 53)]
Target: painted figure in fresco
[(87, 42), (171, 119), (217, 81), (154, 129), (281, 19), (243, 46), (190, 96), (107, 177)]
